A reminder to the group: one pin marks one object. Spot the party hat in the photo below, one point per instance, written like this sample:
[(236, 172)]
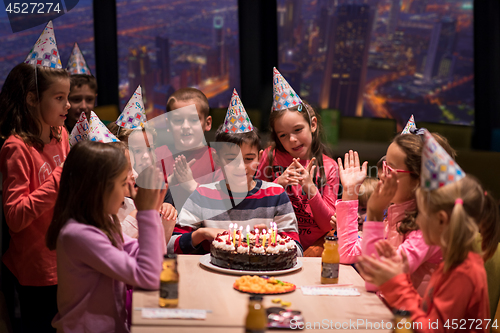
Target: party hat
[(237, 120), (438, 167), (133, 114), (98, 131), (80, 132), (284, 96), (409, 125), (44, 52), (77, 63)]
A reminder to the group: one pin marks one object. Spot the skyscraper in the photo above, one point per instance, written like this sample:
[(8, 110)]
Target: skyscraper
[(291, 20), (441, 47), (418, 6), (163, 59), (219, 44), (392, 23), (140, 73), (347, 59)]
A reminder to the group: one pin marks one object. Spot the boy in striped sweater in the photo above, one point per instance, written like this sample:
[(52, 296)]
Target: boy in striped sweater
[(239, 197)]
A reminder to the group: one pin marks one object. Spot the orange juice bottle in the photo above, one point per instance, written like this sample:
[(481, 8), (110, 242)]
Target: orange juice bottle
[(402, 322), (256, 321), (330, 260), (169, 282)]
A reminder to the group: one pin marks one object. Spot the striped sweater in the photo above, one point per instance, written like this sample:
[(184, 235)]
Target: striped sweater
[(213, 206)]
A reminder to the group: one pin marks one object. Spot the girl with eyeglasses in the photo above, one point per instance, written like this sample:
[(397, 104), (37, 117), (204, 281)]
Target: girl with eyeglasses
[(398, 228)]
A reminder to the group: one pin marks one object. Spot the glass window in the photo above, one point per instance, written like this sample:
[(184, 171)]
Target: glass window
[(166, 45), (77, 25), (381, 58)]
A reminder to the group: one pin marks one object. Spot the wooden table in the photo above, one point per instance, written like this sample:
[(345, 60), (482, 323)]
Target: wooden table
[(201, 288)]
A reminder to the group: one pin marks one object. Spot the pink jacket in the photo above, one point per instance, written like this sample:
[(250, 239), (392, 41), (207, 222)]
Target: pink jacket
[(422, 258)]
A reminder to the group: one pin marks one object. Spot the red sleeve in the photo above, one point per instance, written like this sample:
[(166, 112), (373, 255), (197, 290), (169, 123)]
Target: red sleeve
[(323, 203), (448, 301), (178, 246), (20, 206)]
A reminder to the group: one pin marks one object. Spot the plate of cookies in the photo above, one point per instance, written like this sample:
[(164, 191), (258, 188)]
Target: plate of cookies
[(263, 285)]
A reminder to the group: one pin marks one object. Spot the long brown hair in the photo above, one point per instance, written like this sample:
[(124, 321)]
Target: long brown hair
[(19, 118), (412, 146), (479, 212), (88, 176), (317, 146)]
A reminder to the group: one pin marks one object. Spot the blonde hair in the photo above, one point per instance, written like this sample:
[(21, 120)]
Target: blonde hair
[(366, 189), (479, 212)]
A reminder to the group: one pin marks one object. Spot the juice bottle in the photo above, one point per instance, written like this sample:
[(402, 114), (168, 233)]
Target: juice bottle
[(402, 322), (256, 321), (330, 260), (169, 282)]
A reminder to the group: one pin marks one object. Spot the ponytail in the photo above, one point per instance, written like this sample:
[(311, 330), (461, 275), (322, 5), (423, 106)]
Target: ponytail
[(489, 226), (458, 239)]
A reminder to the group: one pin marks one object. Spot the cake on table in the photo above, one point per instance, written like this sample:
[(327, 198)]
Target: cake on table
[(257, 253)]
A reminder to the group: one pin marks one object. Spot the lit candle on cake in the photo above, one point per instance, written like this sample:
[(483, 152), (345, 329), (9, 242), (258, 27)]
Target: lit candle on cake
[(235, 226), (264, 236), (248, 236), (272, 234), (241, 233), (256, 237), (229, 236), (275, 232)]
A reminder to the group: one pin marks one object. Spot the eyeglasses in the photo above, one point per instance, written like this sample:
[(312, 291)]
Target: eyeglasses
[(386, 167)]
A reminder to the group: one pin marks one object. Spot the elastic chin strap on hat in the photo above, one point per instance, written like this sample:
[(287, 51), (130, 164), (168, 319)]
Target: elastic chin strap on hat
[(417, 131)]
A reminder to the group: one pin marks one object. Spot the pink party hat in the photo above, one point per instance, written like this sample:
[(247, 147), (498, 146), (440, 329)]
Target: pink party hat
[(438, 168), (409, 125), (77, 63), (98, 131), (133, 115), (284, 96), (80, 132), (237, 120), (44, 52)]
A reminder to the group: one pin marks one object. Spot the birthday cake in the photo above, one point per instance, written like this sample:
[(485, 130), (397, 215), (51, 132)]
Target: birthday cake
[(253, 254)]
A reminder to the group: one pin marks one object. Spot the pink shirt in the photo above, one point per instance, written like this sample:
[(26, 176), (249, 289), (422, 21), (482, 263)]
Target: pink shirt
[(313, 215), (93, 273), (422, 258), (30, 185)]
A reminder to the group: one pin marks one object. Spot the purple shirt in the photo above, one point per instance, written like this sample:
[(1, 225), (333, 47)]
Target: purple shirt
[(92, 273)]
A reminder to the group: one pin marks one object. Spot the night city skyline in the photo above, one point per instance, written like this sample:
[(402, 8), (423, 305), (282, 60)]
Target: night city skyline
[(381, 58), (390, 58)]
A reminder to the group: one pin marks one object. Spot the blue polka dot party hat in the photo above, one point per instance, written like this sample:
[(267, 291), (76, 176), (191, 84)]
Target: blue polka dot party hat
[(133, 115), (438, 167), (237, 120), (44, 52), (77, 63), (284, 96)]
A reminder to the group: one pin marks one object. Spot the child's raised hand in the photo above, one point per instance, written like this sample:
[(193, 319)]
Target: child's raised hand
[(183, 173), (333, 221), (381, 197), (151, 190), (307, 176), (351, 176), (168, 212), (386, 250), (380, 271), (290, 176)]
